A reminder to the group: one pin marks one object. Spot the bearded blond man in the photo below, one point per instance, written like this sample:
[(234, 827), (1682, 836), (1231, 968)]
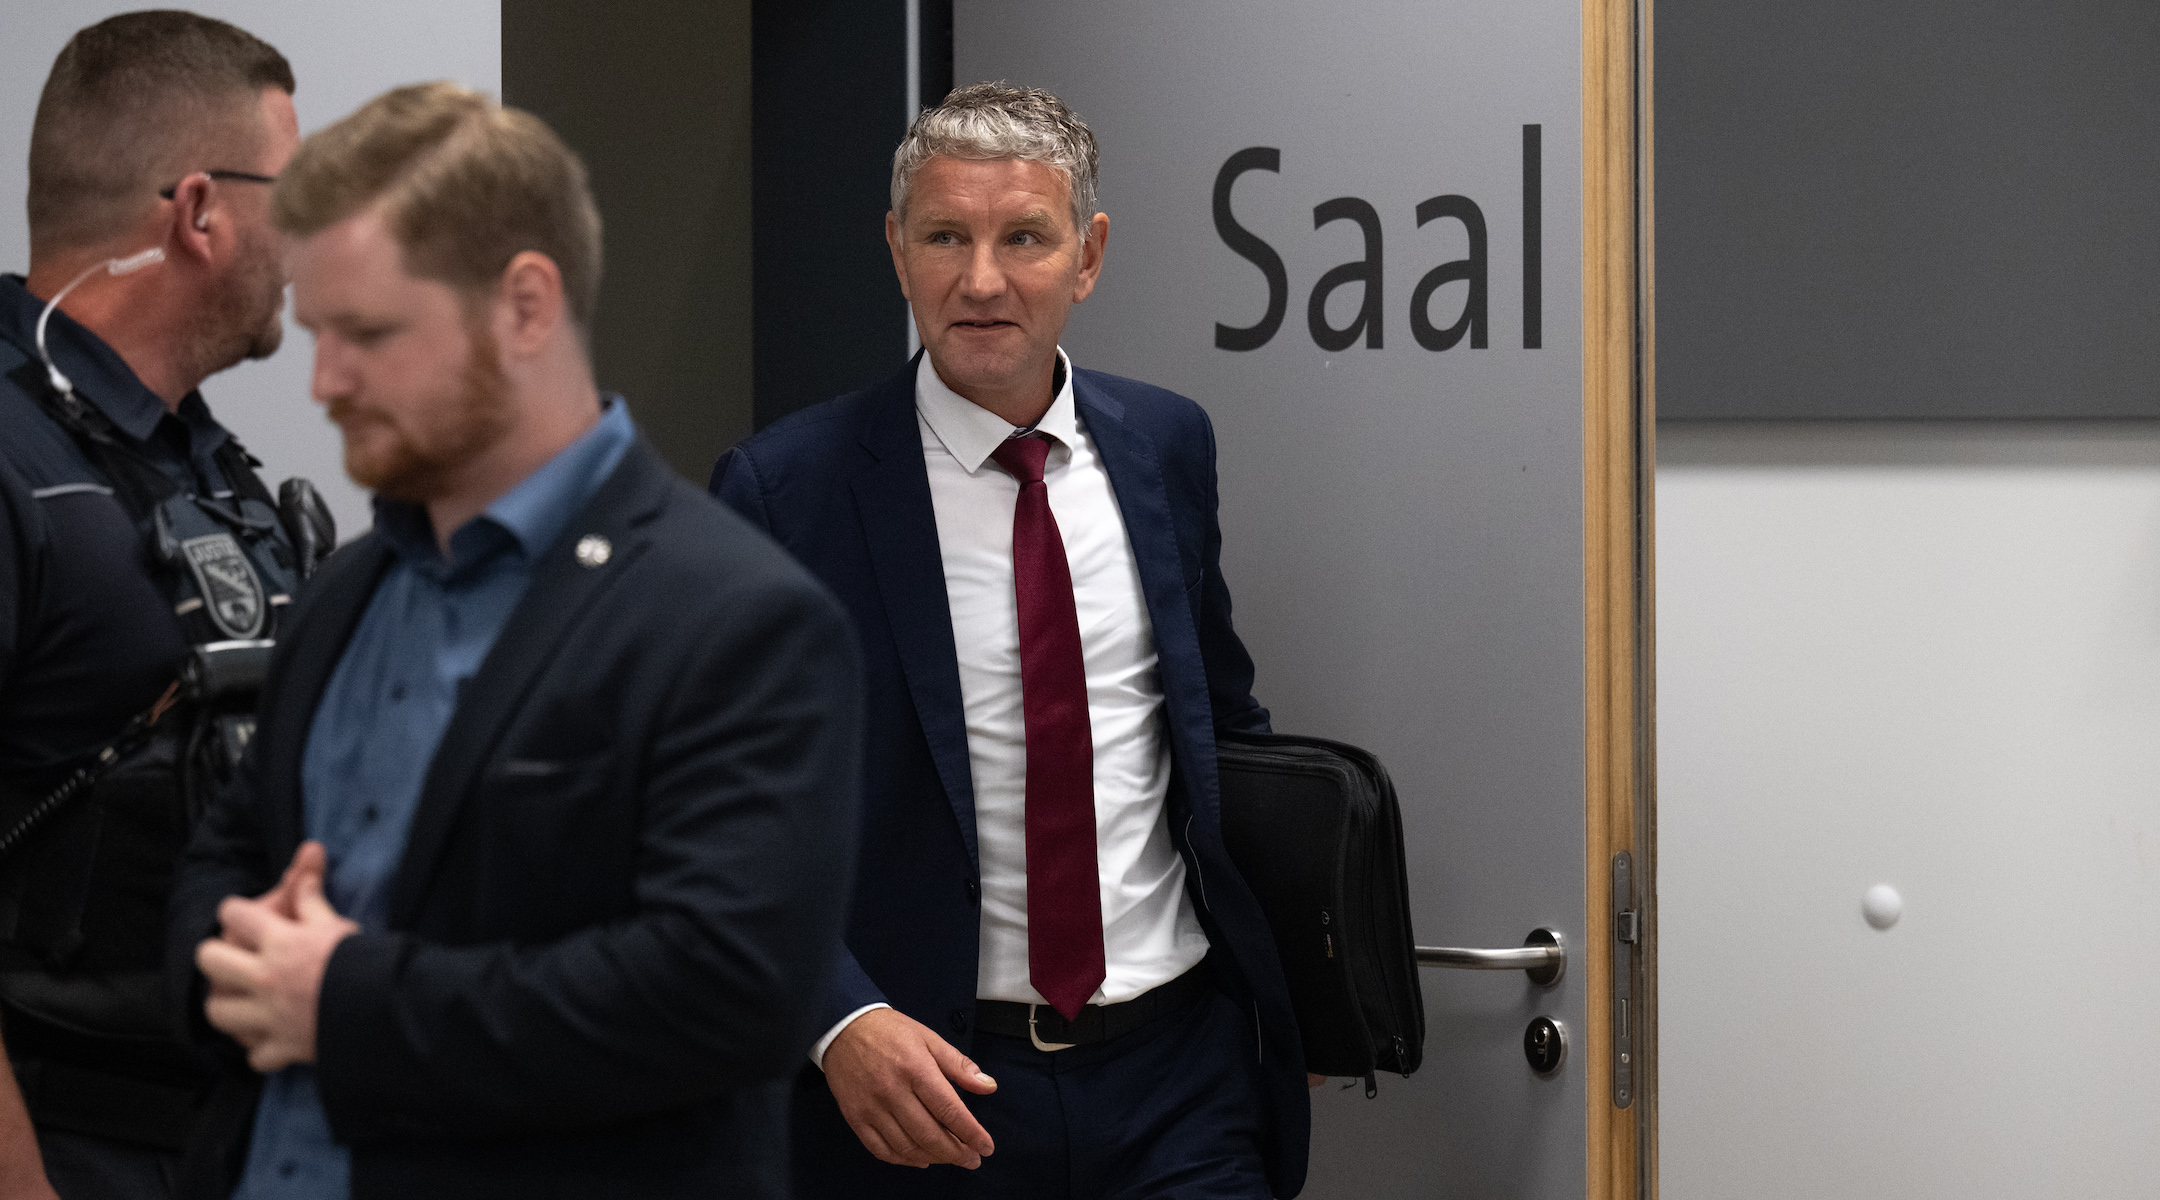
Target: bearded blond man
[(543, 847)]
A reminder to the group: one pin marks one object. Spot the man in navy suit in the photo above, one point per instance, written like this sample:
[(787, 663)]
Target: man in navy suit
[(1045, 915)]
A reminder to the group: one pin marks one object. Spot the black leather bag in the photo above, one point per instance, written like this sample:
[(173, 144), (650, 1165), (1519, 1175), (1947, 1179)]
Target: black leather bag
[(1313, 827)]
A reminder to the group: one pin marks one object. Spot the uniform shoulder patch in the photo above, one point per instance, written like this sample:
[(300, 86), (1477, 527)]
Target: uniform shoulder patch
[(231, 592)]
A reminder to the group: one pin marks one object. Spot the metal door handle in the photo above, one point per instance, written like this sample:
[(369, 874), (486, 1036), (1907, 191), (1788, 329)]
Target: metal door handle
[(1542, 957)]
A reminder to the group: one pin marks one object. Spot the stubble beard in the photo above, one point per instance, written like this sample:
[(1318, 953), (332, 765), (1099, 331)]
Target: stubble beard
[(419, 465), (968, 369), (243, 317)]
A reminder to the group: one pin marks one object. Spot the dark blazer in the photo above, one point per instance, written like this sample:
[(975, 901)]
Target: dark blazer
[(843, 486), (623, 884)]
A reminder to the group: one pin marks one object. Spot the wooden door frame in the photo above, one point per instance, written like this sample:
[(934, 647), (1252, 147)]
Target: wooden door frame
[(1619, 453)]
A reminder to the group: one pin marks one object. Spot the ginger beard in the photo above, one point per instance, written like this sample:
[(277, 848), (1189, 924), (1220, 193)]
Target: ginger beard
[(415, 462)]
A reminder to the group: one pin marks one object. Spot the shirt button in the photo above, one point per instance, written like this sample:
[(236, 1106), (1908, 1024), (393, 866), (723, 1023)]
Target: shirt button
[(288, 1169), (370, 814), (397, 691)]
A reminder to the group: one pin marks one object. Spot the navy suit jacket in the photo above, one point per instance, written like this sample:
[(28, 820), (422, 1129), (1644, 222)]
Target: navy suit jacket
[(843, 486), (621, 888)]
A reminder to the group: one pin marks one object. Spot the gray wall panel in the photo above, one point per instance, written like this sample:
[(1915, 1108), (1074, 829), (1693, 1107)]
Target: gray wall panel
[(1908, 209)]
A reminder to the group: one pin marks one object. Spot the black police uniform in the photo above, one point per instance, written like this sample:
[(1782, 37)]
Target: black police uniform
[(129, 536)]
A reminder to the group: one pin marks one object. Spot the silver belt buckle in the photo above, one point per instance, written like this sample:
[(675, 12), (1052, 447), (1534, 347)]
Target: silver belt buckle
[(1037, 1038)]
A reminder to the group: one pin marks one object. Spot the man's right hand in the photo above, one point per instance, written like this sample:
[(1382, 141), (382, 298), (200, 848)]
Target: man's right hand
[(890, 1073)]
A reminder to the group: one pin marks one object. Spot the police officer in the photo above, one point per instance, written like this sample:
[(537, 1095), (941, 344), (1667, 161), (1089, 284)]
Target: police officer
[(143, 568)]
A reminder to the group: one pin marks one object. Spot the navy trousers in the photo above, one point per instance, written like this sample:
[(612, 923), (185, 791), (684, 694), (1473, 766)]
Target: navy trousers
[(1170, 1111)]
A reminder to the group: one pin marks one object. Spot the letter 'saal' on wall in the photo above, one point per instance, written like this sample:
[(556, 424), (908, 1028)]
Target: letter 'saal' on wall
[(1471, 321)]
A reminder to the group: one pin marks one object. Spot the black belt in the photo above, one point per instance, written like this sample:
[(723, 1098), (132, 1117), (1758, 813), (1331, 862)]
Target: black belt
[(1096, 1022)]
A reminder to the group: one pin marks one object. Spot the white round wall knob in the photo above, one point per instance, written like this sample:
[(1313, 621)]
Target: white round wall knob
[(1882, 906)]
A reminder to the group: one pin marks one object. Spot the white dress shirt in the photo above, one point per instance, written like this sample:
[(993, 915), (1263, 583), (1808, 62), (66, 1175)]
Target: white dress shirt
[(1150, 935)]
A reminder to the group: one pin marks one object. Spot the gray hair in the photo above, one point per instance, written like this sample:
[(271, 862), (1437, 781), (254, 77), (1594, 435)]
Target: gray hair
[(998, 120)]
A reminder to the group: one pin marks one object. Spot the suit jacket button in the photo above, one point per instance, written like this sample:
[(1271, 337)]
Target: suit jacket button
[(974, 891), (958, 1020)]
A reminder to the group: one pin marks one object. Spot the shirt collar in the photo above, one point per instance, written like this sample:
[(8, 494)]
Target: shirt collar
[(528, 517), (971, 433), (100, 376)]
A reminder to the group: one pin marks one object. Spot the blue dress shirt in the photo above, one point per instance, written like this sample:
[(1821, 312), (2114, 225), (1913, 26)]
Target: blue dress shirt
[(426, 631)]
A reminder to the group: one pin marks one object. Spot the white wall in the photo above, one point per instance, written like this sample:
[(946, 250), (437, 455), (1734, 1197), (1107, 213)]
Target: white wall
[(1927, 656), (342, 54)]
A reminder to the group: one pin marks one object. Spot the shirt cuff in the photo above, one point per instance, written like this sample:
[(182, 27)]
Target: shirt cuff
[(817, 1052)]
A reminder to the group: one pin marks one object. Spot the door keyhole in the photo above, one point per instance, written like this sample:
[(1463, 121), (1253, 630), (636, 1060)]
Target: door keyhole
[(1544, 1043)]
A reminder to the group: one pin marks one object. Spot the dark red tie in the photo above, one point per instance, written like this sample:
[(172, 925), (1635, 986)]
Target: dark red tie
[(1064, 900)]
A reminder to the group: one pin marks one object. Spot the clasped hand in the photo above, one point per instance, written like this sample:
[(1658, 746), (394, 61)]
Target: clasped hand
[(266, 966)]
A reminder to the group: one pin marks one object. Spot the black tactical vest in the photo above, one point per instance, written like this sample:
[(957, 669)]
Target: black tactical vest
[(87, 852)]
